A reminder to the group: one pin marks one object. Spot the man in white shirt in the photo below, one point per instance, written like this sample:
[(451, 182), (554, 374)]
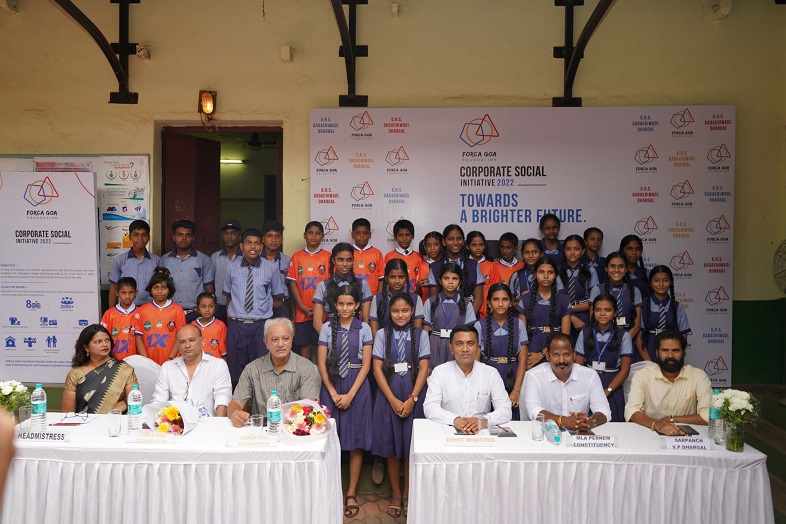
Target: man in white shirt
[(195, 377), (564, 391), (461, 392)]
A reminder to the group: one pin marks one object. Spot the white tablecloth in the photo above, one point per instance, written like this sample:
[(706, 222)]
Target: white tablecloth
[(638, 481), (95, 479)]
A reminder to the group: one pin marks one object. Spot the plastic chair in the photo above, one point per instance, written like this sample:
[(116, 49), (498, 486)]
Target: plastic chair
[(638, 366), (146, 373)]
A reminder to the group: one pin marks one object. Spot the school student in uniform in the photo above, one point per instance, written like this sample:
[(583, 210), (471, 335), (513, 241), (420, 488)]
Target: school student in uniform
[(431, 250), (508, 263), (549, 226), (307, 268), (272, 240), (661, 312), (476, 245), (120, 320), (395, 282), (454, 251), (593, 240), (340, 273), (632, 248), (578, 280), (214, 331), (159, 319), (138, 263), (368, 259), (403, 233), (230, 236)]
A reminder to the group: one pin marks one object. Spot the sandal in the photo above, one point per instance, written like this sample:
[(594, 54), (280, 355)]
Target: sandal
[(405, 503), (393, 510), (351, 510)]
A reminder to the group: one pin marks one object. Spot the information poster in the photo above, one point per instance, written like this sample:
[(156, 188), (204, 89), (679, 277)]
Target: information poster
[(122, 184), (48, 271), (665, 174)]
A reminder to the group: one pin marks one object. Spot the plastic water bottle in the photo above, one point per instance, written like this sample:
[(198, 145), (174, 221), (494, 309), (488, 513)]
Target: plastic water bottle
[(712, 423), (273, 415), (38, 400), (135, 409), (553, 433)]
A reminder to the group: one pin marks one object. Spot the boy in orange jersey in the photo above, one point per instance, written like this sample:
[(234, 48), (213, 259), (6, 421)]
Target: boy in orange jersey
[(404, 232), (368, 259), (508, 263), (121, 319), (214, 331), (307, 268)]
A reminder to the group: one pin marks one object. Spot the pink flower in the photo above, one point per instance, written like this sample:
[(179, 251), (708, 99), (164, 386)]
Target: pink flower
[(303, 427), (306, 409), (317, 428)]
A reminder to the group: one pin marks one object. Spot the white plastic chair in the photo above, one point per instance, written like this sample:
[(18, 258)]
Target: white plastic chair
[(146, 373), (638, 366)]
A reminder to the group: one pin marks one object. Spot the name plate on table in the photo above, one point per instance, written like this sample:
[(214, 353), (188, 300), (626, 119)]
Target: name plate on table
[(471, 441), (594, 441), (685, 443), (151, 437), (250, 441), (44, 436)]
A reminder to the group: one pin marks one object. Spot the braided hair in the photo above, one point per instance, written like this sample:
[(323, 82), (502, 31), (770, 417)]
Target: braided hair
[(508, 377), (584, 273), (625, 280), (382, 301), (353, 290), (387, 366), (464, 289), (590, 345), (331, 287), (650, 294), (431, 234), (627, 239), (547, 260), (449, 267)]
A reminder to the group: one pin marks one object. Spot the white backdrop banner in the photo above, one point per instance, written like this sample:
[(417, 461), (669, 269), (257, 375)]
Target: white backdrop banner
[(663, 173), (48, 271)]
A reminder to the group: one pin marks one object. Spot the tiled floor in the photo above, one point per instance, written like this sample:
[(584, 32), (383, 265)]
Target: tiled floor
[(373, 510)]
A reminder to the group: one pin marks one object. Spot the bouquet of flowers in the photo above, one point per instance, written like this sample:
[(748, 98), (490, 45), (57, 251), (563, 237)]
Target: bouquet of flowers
[(13, 394), (736, 407), (305, 420), (168, 420)]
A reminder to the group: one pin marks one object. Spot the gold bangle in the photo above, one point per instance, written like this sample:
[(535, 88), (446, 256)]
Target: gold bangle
[(559, 422), (652, 427)]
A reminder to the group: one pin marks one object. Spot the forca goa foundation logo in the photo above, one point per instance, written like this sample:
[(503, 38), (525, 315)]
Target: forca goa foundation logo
[(715, 366), (645, 226), (361, 121), (718, 154), (361, 191), (325, 157), (40, 192), (645, 155), (681, 261), (396, 156), (681, 119), (718, 225), (479, 131), (330, 226), (681, 191), (716, 297)]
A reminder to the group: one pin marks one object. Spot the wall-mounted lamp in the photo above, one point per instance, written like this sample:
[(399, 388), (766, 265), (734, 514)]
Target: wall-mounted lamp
[(231, 161), (207, 103)]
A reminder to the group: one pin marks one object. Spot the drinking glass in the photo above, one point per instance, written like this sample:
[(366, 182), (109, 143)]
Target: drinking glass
[(114, 422), (537, 426)]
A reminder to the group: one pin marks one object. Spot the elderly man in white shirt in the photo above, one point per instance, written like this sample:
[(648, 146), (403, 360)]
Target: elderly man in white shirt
[(462, 392), (564, 391), (195, 377)]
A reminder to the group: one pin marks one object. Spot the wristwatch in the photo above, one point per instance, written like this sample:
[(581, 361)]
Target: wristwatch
[(414, 398), (609, 390)]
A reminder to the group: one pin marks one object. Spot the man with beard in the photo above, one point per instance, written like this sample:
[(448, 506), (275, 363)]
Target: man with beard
[(670, 393), (463, 391), (564, 391)]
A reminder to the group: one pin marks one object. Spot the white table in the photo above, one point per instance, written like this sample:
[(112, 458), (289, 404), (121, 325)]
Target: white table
[(522, 481), (103, 480)]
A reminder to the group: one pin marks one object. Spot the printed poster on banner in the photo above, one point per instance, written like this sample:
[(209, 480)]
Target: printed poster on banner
[(122, 197), (665, 174), (48, 271)]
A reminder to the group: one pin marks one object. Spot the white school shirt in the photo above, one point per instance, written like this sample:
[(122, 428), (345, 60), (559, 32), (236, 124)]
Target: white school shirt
[(451, 394), (544, 391), (210, 386)]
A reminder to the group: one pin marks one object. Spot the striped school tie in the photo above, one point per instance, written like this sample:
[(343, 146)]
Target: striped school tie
[(249, 302), (400, 340), (662, 317), (343, 363), (572, 288)]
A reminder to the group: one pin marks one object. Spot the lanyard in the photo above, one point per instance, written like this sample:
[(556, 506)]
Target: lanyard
[(445, 315), (600, 348)]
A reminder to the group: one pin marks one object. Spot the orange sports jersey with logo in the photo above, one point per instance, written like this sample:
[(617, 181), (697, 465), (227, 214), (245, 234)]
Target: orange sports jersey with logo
[(416, 266), (369, 267), (307, 270), (490, 277), (214, 337), (157, 327), (505, 272), (122, 329)]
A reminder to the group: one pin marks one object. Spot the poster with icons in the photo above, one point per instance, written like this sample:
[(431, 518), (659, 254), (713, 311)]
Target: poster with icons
[(122, 183), (48, 271), (663, 173)]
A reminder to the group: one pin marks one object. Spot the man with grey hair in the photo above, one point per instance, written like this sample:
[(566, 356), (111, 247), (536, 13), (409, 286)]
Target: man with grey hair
[(292, 376)]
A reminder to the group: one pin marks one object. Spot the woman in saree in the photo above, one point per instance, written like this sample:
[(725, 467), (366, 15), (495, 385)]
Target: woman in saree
[(97, 382)]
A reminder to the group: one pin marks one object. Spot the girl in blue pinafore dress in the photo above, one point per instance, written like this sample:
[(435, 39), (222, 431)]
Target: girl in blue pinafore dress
[(661, 310), (503, 338), (578, 280), (544, 311), (344, 360), (608, 350), (444, 311), (400, 361)]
